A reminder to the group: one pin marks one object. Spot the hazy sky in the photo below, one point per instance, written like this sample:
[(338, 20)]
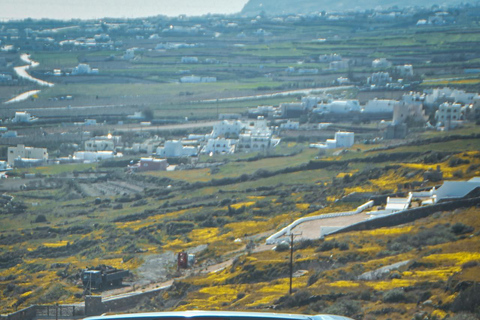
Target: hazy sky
[(88, 9)]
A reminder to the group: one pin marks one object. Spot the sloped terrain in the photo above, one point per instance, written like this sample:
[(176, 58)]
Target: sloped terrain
[(46, 239)]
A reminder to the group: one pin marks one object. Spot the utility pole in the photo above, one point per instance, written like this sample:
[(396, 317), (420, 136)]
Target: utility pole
[(291, 260)]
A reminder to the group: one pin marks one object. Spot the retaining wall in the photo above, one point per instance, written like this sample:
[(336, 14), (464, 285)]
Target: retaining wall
[(409, 215)]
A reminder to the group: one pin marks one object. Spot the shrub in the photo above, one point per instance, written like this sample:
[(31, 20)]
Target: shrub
[(313, 278), (460, 228), (40, 218), (467, 300), (330, 245), (454, 161), (178, 228), (346, 308), (283, 246), (394, 295)]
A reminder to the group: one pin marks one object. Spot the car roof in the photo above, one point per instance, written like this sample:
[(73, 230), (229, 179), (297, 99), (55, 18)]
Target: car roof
[(218, 314)]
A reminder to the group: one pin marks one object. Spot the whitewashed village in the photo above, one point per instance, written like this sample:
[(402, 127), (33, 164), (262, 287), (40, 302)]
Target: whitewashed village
[(261, 129)]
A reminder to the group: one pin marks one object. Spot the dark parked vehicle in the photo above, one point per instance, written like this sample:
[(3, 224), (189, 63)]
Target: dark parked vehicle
[(104, 276)]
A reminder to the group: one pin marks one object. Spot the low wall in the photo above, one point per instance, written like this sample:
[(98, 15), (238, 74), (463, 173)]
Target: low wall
[(123, 303), (25, 314)]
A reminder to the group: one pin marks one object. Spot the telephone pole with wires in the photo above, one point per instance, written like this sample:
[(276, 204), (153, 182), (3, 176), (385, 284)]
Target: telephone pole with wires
[(291, 260)]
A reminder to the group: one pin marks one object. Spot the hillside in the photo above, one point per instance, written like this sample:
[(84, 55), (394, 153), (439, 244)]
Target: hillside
[(285, 7), (57, 226)]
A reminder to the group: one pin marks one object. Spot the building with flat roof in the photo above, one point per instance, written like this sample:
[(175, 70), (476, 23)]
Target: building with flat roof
[(22, 152)]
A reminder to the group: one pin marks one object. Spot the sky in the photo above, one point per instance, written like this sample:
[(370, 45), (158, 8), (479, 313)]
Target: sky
[(97, 9)]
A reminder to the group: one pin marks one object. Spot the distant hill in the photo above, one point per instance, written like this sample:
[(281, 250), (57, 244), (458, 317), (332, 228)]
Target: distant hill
[(280, 7)]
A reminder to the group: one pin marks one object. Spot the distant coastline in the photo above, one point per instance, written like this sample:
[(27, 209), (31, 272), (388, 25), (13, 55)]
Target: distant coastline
[(91, 9)]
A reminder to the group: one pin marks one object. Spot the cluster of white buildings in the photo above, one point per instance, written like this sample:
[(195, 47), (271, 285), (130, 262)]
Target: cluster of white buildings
[(227, 137)]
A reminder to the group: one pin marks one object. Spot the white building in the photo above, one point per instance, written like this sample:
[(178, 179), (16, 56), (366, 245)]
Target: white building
[(451, 190), (379, 106), (413, 98), (20, 151), (99, 145), (291, 109), (189, 60), (379, 79), (327, 58), (338, 106), (93, 156), (175, 148), (450, 114), (405, 110), (290, 125), (308, 71), (434, 95), (342, 140), (310, 102), (339, 65), (404, 71), (381, 63), (23, 117), (197, 79), (219, 146), (83, 69), (397, 204), (129, 54), (4, 166), (227, 128)]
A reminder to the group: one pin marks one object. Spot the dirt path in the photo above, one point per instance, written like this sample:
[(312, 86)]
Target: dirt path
[(156, 270)]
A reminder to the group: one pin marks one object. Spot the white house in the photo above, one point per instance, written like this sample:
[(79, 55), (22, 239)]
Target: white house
[(455, 189), (99, 145), (379, 79), (83, 69), (23, 117), (20, 151), (175, 148), (450, 114), (197, 79), (225, 128), (338, 106), (379, 106), (309, 102), (189, 60), (339, 65), (460, 96), (308, 71), (290, 125), (93, 156), (4, 166), (404, 71), (129, 54), (381, 63), (404, 110), (219, 146), (324, 58), (342, 140)]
